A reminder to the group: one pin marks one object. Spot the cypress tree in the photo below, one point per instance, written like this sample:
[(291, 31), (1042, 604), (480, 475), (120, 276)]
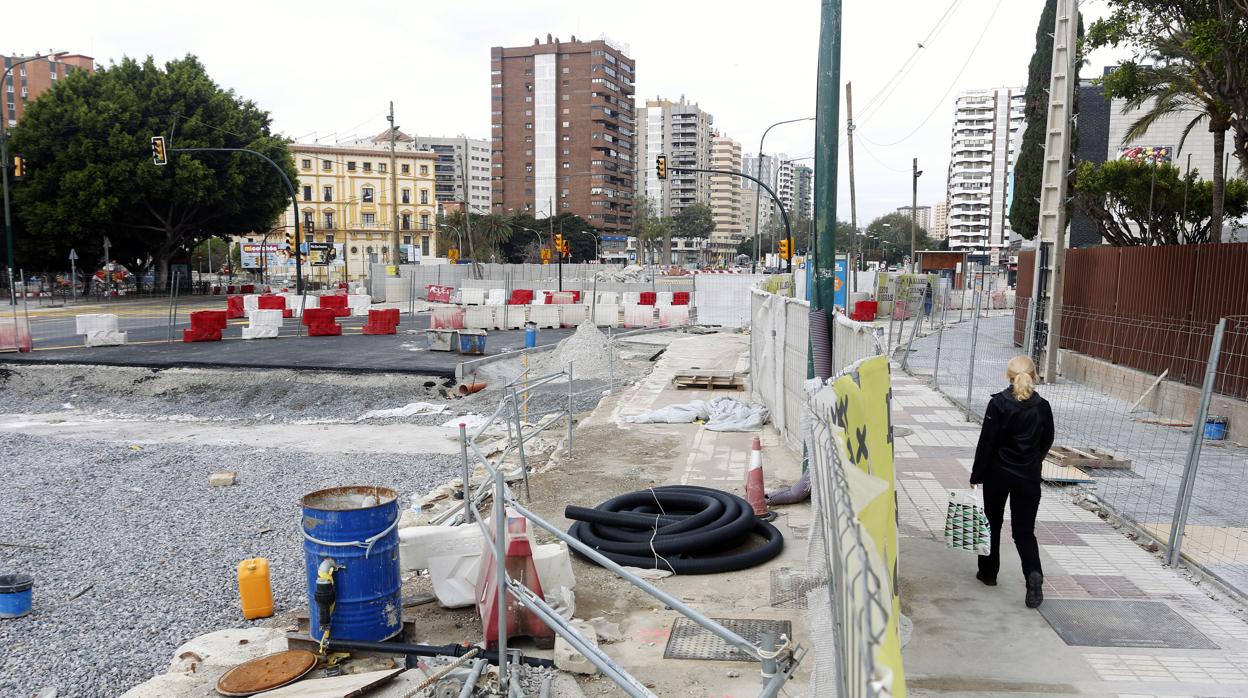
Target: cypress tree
[(1028, 169)]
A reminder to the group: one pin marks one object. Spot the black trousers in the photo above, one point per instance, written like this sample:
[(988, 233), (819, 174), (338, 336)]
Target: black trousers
[(1024, 498)]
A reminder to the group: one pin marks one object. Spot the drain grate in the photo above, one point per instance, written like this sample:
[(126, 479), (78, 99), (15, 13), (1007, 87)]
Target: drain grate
[(1106, 623), (789, 587), (691, 641)]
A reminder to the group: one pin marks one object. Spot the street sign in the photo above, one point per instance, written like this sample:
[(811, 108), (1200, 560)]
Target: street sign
[(73, 255)]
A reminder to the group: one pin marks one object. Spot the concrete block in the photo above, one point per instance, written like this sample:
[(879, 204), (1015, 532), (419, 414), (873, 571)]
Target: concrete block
[(261, 332), (472, 296), (227, 648), (544, 315), (607, 315), (95, 322), (419, 543), (515, 316), (567, 658), (572, 315), (554, 566), (223, 478), (359, 303), (167, 686), (105, 338)]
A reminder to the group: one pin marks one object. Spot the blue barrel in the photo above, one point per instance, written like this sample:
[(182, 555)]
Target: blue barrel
[(357, 527), (15, 595), (1215, 428)]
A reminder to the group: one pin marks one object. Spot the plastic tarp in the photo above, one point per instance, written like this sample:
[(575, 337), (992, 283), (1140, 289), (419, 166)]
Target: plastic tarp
[(720, 414)]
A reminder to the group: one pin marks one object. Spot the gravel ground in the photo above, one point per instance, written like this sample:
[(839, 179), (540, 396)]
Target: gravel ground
[(156, 546)]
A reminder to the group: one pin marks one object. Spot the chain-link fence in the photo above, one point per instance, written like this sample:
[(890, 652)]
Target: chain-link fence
[(1128, 414)]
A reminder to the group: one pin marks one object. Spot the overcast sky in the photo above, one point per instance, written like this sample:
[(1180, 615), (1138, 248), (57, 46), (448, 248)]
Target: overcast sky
[(324, 68)]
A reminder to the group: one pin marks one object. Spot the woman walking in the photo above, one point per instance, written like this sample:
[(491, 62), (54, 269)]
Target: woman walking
[(1016, 436)]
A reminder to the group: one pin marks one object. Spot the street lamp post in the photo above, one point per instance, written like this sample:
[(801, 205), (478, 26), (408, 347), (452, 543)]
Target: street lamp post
[(4, 165), (758, 192)]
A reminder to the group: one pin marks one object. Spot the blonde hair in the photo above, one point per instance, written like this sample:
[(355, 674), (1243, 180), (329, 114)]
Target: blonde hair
[(1022, 374)]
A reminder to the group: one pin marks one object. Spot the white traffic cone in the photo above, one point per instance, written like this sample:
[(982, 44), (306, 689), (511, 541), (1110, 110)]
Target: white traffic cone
[(754, 491)]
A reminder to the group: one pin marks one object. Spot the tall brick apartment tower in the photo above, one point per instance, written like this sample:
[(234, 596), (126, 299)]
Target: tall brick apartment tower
[(563, 130)]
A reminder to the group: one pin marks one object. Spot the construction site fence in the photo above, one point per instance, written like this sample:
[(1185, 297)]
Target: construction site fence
[(1151, 410), (779, 342)]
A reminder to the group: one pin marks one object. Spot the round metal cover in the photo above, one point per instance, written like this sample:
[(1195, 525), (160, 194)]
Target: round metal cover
[(266, 673)]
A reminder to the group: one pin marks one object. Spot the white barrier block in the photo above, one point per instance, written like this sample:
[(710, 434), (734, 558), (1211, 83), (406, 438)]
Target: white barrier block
[(631, 298), (539, 296), (497, 296), (447, 317), (564, 297), (663, 298), (608, 298), (105, 338), (479, 317), (639, 316), (359, 303), (516, 316), (98, 322), (251, 301), (607, 315), (573, 314), (261, 332), (472, 296), (544, 315), (265, 318), (673, 315), (417, 544)]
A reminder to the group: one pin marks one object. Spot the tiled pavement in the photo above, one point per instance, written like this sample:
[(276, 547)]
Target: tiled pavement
[(1084, 558)]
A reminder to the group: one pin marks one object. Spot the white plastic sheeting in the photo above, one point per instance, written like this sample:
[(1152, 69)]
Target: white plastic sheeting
[(720, 414)]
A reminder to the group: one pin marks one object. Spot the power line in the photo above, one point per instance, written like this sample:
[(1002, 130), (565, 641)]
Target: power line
[(881, 162), (940, 102), (891, 86)]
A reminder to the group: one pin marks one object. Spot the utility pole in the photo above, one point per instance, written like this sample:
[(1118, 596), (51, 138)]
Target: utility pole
[(468, 207), (914, 214), (827, 119), (394, 195), (853, 192), (1046, 293)]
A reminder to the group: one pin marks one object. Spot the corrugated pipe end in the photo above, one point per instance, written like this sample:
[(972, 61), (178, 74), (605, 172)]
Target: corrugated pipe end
[(820, 344), (470, 388)]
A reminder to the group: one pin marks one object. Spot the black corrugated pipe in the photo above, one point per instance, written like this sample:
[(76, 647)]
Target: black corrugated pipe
[(412, 650)]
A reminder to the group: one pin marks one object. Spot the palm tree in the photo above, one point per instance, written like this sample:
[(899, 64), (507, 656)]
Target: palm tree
[(1177, 88), (494, 230)]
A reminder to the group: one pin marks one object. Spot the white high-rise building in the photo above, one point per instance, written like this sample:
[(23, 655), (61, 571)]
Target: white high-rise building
[(725, 197), (682, 132), (940, 227), (987, 129)]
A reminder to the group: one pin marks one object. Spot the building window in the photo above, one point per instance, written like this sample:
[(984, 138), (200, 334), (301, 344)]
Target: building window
[(350, 165), (566, 124), (566, 137), (424, 197), (307, 192), (567, 98), (407, 196), (406, 224), (366, 195), (307, 163), (405, 168), (329, 220), (424, 221), (329, 238), (529, 126), (327, 193), (566, 165), (368, 220), (424, 170), (424, 244), (327, 165), (381, 167), (368, 167), (307, 220)]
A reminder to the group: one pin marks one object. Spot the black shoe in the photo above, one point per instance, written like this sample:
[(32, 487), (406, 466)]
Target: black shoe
[(988, 581), (1035, 590)]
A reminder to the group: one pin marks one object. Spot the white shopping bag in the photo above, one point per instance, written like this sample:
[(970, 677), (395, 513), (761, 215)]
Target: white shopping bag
[(966, 524)]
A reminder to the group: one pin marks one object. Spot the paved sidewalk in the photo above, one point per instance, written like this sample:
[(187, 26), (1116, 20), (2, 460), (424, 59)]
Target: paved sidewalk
[(972, 640)]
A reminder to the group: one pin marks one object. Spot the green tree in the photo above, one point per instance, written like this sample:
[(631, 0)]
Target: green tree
[(1134, 203), (694, 221), (1029, 170), (87, 143), (494, 231)]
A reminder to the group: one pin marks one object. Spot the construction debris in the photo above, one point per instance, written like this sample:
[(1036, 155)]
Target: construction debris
[(1087, 458)]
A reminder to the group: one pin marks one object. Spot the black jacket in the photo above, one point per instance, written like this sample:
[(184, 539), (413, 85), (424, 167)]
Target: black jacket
[(1015, 438)]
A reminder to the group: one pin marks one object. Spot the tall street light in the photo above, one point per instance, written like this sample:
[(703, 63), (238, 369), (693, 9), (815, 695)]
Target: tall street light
[(4, 165), (758, 192)]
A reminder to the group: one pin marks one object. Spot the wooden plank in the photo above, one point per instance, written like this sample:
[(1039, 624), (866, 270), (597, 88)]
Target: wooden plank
[(345, 686), (1063, 474), (708, 380), (1087, 458)]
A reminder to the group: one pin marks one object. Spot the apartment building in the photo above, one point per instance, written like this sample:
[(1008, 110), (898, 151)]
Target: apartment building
[(987, 128), (940, 221), (804, 191), (27, 81), (725, 198), (462, 161), (681, 131), (564, 130), (923, 216)]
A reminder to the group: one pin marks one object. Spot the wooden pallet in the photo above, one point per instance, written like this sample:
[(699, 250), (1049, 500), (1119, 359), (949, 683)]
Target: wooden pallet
[(1052, 471), (1087, 458), (708, 380)]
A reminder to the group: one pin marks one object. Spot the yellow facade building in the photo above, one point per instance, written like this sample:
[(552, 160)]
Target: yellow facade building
[(347, 195)]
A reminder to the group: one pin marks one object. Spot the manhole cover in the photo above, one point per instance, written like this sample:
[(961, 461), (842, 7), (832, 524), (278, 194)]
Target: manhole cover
[(1122, 624), (265, 673), (691, 641), (789, 587)]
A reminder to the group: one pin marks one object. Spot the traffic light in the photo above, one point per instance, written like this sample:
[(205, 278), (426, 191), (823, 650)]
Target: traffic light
[(565, 247), (559, 243), (785, 252), (660, 166), (159, 156), (19, 167)]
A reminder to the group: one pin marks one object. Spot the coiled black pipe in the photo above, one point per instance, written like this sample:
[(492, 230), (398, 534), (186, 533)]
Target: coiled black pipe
[(684, 529)]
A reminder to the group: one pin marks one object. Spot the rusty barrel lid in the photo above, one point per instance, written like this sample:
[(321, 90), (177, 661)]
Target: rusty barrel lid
[(266, 673)]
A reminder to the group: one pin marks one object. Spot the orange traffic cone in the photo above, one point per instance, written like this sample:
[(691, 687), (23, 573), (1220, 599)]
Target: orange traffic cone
[(754, 492)]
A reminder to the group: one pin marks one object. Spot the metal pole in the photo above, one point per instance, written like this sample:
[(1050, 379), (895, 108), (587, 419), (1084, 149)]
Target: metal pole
[(940, 338), (500, 571), (16, 344), (568, 450), (914, 214), (853, 192), (970, 369), (914, 331), (524, 465), (758, 239), (1188, 486), (394, 194), (469, 508)]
